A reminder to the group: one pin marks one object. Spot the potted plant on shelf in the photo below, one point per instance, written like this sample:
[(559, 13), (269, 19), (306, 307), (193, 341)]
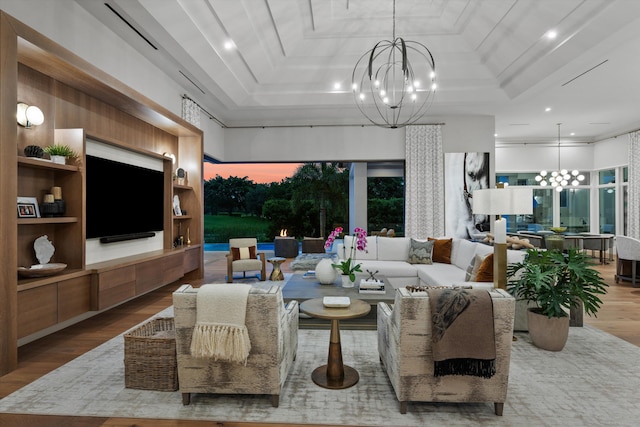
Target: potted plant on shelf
[(59, 153), (348, 267), (555, 282)]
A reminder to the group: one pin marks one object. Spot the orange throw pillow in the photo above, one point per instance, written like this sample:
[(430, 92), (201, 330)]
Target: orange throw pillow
[(485, 271), (441, 250)]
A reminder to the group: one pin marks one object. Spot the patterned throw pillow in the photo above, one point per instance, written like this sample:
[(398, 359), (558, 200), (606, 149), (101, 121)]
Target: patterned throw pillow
[(472, 269), (420, 252), (244, 253), (485, 272), (442, 250)]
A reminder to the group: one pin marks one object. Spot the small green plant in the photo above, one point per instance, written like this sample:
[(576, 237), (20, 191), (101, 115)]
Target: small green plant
[(60, 150)]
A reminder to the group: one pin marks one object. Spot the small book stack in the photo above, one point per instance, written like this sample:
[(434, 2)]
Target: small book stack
[(370, 286)]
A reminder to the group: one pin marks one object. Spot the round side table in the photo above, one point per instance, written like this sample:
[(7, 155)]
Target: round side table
[(335, 374), (276, 274)]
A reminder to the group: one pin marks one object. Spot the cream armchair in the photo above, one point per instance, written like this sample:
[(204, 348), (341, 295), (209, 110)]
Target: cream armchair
[(242, 260), (627, 250), (404, 345), (273, 332)]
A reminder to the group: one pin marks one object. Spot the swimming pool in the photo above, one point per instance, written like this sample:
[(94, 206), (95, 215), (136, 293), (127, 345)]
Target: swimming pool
[(224, 247)]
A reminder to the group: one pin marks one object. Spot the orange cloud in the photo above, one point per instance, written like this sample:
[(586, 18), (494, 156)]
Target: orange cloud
[(260, 173)]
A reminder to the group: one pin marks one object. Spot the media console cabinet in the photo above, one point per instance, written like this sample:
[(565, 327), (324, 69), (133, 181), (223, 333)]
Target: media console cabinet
[(80, 101)]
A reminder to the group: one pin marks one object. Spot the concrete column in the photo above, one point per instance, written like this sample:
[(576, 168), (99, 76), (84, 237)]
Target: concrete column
[(358, 196)]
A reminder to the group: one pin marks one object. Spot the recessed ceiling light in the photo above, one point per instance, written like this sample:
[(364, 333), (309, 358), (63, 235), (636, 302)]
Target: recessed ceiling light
[(337, 85), (547, 109), (552, 34), (229, 45), (572, 133)]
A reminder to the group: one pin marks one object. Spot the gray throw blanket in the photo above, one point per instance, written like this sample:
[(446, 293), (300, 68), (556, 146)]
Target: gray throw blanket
[(462, 331)]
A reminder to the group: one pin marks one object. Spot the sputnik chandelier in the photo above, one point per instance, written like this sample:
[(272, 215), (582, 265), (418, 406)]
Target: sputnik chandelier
[(559, 178), (389, 90)]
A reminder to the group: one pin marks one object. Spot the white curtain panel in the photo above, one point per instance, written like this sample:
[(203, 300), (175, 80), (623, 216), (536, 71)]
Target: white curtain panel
[(191, 112), (424, 204), (634, 186)]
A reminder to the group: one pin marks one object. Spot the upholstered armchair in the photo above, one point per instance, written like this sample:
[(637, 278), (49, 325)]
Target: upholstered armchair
[(628, 251), (273, 333), (243, 256), (405, 348)]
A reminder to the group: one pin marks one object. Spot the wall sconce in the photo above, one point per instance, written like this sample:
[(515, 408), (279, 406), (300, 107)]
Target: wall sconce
[(28, 115)]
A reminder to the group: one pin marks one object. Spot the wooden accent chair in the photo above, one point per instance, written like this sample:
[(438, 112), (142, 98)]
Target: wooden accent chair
[(273, 332), (628, 251), (404, 345), (243, 256)]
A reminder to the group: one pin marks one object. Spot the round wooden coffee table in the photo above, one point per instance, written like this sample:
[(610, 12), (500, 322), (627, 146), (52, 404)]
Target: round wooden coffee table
[(335, 374)]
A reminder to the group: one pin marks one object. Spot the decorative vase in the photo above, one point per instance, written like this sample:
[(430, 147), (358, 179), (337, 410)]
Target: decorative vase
[(547, 333), (325, 273), (554, 241), (346, 281), (33, 151), (61, 160)]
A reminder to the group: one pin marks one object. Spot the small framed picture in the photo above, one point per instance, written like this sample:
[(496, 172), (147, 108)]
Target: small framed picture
[(28, 207), (176, 206)]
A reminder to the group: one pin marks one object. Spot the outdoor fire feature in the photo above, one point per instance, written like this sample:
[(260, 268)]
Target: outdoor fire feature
[(285, 246)]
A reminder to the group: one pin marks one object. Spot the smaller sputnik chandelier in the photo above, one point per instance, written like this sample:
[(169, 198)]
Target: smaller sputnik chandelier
[(389, 90), (560, 178)]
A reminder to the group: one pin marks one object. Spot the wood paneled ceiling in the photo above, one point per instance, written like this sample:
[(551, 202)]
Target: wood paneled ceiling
[(493, 57)]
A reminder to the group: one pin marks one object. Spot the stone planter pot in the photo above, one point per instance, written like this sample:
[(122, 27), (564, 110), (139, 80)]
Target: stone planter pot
[(325, 273), (547, 333)]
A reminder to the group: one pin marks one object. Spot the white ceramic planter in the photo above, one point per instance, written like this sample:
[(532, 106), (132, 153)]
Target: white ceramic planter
[(61, 160), (346, 282)]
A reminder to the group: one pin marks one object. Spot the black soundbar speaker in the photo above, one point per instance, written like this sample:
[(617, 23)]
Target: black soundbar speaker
[(123, 237)]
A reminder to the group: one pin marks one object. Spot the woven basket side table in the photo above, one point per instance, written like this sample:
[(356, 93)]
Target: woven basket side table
[(150, 356)]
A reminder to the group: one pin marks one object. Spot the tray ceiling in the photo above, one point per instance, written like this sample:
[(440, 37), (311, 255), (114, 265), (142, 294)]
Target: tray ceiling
[(492, 57)]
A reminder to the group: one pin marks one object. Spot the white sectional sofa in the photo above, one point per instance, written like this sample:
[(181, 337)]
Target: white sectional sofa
[(389, 257)]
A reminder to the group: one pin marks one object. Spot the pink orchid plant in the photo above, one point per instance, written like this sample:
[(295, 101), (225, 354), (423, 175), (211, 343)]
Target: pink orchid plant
[(349, 267)]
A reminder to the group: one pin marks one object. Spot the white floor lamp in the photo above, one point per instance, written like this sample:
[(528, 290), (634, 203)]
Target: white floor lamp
[(502, 201)]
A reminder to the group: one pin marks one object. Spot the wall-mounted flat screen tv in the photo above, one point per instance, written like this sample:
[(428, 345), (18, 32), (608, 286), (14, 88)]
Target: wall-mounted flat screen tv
[(122, 199)]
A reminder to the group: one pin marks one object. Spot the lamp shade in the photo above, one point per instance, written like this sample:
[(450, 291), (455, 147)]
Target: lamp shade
[(503, 201)]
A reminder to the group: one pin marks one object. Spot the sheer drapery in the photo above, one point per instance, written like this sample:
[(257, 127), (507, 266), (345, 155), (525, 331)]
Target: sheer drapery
[(634, 186), (424, 199), (190, 111)]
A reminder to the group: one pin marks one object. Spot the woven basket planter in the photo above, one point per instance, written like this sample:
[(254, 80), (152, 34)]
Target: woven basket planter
[(150, 356)]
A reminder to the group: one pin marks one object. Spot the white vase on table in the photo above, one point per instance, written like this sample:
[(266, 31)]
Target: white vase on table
[(325, 273)]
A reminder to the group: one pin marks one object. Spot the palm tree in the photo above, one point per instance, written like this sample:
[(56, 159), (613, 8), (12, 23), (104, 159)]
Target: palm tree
[(324, 183)]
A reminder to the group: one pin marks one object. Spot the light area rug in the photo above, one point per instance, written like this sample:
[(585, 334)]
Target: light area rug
[(592, 382)]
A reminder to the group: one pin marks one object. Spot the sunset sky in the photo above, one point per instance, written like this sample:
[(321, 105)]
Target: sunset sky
[(260, 173)]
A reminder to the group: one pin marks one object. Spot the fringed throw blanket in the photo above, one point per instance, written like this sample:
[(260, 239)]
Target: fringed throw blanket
[(463, 335), (220, 331)]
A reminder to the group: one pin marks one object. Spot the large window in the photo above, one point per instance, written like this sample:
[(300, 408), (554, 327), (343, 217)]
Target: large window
[(516, 178), (385, 204), (542, 209), (574, 210), (607, 197)]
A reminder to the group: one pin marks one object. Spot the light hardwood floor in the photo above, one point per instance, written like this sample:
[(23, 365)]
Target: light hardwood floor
[(619, 315)]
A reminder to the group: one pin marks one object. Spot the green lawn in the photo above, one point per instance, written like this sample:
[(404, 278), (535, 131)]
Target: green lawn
[(220, 228)]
